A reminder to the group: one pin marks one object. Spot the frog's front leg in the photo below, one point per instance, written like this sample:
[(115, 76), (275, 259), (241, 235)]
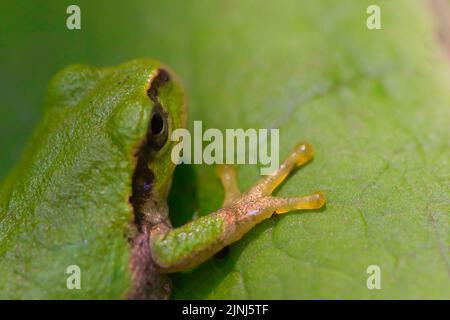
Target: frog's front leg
[(185, 247)]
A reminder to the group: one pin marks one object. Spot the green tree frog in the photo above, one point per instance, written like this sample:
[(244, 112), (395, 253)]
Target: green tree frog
[(90, 190)]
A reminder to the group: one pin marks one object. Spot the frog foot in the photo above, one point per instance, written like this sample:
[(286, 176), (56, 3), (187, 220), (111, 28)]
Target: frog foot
[(260, 193), (257, 203)]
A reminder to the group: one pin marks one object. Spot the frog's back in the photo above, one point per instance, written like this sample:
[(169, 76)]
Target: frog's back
[(66, 203)]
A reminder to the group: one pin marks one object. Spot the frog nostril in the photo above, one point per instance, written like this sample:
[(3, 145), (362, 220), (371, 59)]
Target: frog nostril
[(161, 78)]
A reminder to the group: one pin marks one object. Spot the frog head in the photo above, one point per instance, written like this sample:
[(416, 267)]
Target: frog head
[(154, 163), (126, 114)]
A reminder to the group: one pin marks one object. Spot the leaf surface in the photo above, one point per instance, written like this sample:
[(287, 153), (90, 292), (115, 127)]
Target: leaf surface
[(373, 103)]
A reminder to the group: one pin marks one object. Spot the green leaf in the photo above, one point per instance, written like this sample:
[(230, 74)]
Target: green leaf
[(373, 103)]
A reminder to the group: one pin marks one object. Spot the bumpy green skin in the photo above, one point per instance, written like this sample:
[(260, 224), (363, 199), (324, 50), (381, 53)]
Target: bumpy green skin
[(66, 203)]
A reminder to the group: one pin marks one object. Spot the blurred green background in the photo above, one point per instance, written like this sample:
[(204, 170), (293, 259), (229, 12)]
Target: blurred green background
[(373, 103)]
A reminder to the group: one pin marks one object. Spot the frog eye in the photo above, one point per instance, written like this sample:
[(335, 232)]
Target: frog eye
[(158, 129), (157, 123)]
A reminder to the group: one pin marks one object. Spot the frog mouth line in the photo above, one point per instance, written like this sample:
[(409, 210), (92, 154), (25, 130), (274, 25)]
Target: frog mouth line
[(142, 185), (143, 179), (148, 283)]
